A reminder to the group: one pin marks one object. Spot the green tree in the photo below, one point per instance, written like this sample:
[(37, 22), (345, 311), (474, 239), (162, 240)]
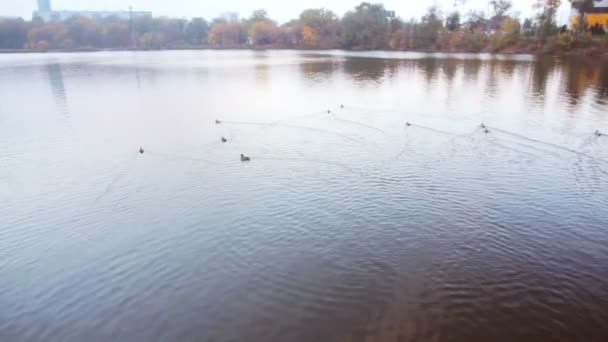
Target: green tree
[(13, 33), (367, 27), (196, 31), (500, 7), (429, 29), (259, 15), (476, 21), (116, 33), (545, 19), (84, 32), (452, 22)]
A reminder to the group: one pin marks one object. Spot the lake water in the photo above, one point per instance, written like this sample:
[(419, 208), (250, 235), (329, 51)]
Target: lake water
[(344, 226)]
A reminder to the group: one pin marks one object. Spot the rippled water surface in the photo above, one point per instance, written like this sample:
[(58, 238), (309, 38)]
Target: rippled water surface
[(345, 226)]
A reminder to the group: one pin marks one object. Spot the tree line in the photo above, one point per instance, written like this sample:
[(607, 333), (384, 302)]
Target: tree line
[(367, 27)]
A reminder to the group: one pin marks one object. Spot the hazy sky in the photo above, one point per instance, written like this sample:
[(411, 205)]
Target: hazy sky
[(282, 10)]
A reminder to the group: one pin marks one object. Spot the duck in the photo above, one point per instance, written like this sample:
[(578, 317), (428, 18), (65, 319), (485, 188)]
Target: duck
[(141, 150), (408, 124), (329, 111), (244, 158), (598, 133), (342, 106), (486, 131), (483, 125), (217, 122), (224, 140)]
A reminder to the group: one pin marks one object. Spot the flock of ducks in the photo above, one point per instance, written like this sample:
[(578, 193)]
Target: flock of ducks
[(245, 158)]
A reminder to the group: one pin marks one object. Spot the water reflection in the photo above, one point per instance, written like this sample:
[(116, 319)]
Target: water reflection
[(364, 70), (55, 76), (579, 76), (345, 226), (318, 71), (262, 67), (471, 69)]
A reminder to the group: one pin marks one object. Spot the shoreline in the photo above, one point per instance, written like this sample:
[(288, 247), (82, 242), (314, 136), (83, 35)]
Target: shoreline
[(580, 52)]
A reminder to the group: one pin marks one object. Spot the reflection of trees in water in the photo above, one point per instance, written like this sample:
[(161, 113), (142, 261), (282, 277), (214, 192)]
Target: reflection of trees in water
[(507, 67), (366, 69), (320, 70), (449, 68), (392, 67), (540, 74), (602, 85), (429, 67), (55, 75), (471, 68), (492, 79), (262, 69), (580, 76)]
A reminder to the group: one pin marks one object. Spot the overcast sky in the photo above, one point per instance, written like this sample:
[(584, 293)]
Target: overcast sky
[(281, 10)]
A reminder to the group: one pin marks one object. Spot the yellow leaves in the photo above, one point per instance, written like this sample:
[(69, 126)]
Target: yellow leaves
[(263, 32), (310, 37), (397, 40), (226, 34), (510, 26)]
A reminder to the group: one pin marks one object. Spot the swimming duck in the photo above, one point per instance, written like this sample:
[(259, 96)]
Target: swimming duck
[(483, 125), (244, 158), (342, 106), (224, 140), (598, 133), (141, 150), (486, 131), (217, 122), (408, 124), (329, 111)]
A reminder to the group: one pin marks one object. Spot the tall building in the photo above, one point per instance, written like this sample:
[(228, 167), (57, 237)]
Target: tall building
[(44, 5)]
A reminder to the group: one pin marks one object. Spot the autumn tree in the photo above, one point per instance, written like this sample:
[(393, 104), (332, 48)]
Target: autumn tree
[(310, 37), (322, 28), (263, 32), (227, 34), (50, 35)]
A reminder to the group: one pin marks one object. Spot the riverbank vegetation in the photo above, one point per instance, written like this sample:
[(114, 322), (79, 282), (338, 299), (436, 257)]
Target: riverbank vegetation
[(366, 27)]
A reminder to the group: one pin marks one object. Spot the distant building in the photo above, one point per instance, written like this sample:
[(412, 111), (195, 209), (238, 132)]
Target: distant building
[(44, 5), (46, 13), (598, 15), (230, 16)]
